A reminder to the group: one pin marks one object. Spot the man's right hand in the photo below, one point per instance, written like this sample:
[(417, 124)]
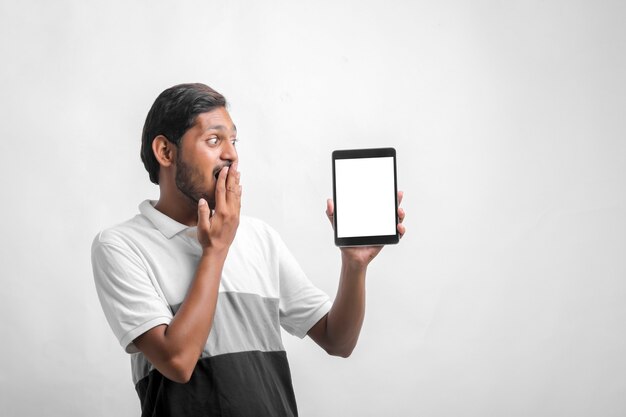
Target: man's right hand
[(174, 349), (217, 231)]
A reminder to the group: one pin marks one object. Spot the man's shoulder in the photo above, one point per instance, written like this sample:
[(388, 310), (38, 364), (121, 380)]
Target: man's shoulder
[(253, 222), (125, 232), (254, 227)]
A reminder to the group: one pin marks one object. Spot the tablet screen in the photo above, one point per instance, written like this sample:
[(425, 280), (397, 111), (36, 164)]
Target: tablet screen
[(365, 197)]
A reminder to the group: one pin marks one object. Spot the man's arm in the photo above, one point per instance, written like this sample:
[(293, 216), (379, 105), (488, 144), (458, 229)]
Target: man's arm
[(174, 349), (338, 331)]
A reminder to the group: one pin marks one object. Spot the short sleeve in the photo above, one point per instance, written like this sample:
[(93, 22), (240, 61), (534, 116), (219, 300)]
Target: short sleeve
[(302, 304), (129, 299)]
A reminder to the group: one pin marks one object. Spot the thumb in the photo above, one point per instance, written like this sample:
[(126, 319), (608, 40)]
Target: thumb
[(204, 213), (330, 210)]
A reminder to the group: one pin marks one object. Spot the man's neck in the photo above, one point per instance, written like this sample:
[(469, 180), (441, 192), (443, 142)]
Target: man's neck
[(178, 207)]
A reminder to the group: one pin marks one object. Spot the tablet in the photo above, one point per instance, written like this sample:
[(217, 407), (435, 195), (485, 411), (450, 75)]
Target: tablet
[(365, 194)]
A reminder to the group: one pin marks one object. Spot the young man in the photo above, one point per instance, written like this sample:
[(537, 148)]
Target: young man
[(196, 293)]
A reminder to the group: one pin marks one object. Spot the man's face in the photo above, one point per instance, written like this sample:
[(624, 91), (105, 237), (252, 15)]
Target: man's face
[(207, 147)]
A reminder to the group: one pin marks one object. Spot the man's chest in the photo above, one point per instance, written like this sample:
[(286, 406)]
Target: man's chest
[(248, 269)]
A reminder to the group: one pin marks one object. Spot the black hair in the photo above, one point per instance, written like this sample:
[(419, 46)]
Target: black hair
[(174, 111)]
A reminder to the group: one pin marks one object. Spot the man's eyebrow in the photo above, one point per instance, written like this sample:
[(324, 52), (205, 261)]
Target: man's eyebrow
[(220, 127)]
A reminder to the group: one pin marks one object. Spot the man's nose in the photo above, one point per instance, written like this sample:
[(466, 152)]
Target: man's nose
[(229, 152)]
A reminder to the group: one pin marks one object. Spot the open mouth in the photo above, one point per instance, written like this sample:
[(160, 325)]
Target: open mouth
[(217, 171)]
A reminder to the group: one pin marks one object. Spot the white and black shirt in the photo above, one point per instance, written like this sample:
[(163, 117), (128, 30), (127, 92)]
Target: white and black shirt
[(143, 269)]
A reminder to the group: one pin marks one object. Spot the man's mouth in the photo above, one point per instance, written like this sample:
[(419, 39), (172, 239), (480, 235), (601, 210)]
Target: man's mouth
[(217, 171)]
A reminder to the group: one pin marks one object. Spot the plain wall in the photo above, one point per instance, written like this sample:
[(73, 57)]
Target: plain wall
[(507, 296)]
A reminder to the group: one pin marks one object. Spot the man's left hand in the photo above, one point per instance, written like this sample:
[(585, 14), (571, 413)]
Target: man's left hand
[(363, 255)]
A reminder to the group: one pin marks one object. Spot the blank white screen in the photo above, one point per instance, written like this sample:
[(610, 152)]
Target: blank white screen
[(365, 202)]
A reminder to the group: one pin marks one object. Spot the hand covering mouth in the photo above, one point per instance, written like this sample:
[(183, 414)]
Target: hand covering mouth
[(218, 170)]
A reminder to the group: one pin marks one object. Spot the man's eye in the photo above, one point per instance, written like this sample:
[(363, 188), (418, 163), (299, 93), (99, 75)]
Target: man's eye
[(213, 141), (234, 142)]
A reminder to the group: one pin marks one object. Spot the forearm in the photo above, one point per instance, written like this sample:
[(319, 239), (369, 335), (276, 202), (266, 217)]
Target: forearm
[(175, 349), (187, 333), (338, 332), (345, 318)]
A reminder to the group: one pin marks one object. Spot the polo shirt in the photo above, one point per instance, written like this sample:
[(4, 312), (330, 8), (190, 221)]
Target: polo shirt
[(142, 270)]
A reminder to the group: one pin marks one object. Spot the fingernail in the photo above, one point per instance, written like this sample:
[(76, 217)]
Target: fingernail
[(202, 202)]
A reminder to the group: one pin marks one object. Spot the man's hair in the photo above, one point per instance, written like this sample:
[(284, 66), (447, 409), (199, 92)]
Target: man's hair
[(174, 111)]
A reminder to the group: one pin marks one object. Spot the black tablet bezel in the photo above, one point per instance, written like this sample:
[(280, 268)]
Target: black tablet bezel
[(365, 240)]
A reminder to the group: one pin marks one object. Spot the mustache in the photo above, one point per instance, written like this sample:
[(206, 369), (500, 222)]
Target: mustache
[(216, 171)]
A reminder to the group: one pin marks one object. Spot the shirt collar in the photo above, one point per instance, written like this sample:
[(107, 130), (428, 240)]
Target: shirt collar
[(166, 225)]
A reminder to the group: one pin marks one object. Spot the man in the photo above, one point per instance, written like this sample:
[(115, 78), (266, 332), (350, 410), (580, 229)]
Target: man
[(197, 293)]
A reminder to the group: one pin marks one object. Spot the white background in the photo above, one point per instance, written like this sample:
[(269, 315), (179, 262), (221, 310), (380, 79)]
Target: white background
[(507, 296), (365, 202)]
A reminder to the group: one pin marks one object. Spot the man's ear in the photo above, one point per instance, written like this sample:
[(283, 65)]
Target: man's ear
[(164, 151)]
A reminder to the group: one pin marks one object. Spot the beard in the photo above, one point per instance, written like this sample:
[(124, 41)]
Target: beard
[(190, 181)]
